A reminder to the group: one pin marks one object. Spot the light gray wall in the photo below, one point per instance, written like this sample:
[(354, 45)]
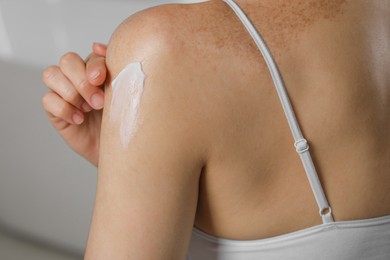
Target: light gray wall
[(46, 191)]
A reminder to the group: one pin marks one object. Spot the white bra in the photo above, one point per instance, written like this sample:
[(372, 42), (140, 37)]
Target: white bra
[(341, 240)]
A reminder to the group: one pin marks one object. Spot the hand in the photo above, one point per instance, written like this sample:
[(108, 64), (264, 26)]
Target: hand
[(75, 100)]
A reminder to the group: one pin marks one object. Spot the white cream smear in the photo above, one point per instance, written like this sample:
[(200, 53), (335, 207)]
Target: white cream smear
[(127, 89)]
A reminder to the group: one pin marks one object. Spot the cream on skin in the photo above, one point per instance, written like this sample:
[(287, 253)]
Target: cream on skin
[(127, 89)]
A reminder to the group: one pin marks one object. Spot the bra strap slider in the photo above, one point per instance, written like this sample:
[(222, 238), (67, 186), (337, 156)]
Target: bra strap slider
[(301, 145)]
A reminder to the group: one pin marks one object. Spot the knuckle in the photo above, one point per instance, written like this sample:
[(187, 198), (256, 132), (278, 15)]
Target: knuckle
[(97, 61), (62, 110), (83, 84), (68, 58), (45, 101), (92, 58), (50, 73), (71, 96)]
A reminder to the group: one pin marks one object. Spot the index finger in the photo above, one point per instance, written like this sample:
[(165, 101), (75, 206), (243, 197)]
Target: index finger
[(74, 69), (96, 69)]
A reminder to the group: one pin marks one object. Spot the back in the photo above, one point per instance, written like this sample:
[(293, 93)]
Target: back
[(333, 60), (215, 149)]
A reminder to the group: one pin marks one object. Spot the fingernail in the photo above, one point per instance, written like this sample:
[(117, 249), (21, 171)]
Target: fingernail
[(77, 119), (97, 100), (86, 107), (94, 74)]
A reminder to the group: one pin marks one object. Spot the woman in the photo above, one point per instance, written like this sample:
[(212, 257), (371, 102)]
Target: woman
[(196, 154)]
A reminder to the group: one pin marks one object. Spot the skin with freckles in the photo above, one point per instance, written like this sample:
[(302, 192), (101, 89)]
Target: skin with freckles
[(286, 20), (215, 149)]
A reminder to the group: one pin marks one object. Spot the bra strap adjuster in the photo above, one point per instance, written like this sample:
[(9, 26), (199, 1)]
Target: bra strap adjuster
[(301, 145)]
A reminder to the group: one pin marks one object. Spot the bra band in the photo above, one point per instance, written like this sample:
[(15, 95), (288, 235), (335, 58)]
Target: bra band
[(301, 144)]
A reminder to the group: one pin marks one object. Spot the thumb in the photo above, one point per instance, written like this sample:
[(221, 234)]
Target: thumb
[(99, 49)]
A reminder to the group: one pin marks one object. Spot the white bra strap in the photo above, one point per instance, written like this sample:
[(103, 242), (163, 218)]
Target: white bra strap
[(301, 144)]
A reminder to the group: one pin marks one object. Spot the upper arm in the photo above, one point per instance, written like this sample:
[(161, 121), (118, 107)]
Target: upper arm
[(147, 191)]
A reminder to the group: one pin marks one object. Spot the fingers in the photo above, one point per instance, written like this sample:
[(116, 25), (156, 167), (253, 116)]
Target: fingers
[(60, 84), (58, 108), (74, 68), (75, 86)]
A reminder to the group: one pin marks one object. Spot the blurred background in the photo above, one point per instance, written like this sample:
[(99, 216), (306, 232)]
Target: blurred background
[(46, 191)]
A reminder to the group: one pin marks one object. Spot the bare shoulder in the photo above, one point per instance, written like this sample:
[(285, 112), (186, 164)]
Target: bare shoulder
[(178, 47), (172, 29)]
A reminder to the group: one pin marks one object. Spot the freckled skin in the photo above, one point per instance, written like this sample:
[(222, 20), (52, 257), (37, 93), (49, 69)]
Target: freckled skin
[(333, 56), (282, 21), (285, 20)]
